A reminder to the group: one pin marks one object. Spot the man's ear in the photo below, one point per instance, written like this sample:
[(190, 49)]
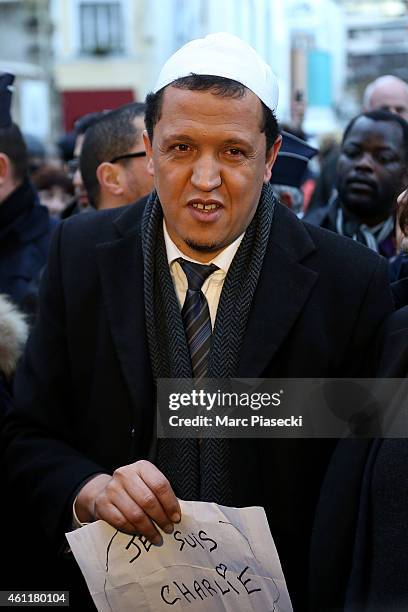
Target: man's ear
[(149, 153), (108, 176), (271, 158)]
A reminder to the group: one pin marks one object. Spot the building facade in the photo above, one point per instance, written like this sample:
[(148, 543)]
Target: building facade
[(26, 52), (110, 52)]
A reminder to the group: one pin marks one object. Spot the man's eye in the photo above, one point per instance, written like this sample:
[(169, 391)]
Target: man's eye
[(233, 152), (182, 148), (351, 152), (386, 156)]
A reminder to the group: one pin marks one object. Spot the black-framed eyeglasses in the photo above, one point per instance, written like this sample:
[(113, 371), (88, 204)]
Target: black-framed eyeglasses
[(127, 156)]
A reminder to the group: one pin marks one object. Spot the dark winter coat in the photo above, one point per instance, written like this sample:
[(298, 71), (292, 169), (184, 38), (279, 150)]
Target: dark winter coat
[(359, 553), (25, 232), (325, 216)]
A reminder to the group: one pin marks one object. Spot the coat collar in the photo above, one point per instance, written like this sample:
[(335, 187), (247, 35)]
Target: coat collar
[(22, 214), (128, 221)]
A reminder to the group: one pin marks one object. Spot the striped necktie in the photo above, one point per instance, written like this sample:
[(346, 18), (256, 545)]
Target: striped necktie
[(196, 315), (213, 454), (197, 469)]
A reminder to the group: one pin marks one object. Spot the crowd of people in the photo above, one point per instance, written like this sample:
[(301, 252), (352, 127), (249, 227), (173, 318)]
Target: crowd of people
[(173, 239)]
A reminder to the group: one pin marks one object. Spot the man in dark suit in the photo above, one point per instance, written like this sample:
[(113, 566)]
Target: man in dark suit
[(281, 298)]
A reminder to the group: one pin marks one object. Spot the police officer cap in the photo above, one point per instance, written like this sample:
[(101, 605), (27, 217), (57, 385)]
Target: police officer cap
[(291, 162)]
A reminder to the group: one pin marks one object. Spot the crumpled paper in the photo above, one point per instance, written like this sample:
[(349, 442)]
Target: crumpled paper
[(218, 559)]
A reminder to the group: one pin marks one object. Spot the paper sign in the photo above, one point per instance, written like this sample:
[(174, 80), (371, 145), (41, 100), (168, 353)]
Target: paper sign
[(218, 559)]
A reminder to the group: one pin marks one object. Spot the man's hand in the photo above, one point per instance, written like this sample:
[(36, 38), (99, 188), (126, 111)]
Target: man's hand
[(130, 500)]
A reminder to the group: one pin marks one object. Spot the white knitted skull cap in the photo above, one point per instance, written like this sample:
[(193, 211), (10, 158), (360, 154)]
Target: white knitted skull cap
[(223, 55)]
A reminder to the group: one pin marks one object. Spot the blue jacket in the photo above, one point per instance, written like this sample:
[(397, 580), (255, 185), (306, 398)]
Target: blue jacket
[(25, 231)]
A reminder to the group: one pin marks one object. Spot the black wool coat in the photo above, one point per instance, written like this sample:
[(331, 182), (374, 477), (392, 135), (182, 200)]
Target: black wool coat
[(84, 391), (359, 552), (25, 234)]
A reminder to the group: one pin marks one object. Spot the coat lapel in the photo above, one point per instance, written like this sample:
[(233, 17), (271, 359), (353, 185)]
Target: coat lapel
[(283, 288), (121, 272)]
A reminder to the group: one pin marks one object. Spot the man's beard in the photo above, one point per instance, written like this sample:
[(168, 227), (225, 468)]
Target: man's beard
[(379, 207), (203, 248), (368, 210)]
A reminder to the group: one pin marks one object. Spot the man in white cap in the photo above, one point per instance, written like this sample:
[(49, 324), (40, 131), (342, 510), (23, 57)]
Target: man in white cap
[(212, 278)]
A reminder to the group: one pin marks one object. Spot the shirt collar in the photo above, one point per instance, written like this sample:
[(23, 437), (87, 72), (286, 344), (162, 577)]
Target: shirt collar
[(223, 260)]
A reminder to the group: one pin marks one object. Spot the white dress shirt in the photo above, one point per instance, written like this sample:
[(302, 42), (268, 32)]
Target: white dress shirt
[(212, 286)]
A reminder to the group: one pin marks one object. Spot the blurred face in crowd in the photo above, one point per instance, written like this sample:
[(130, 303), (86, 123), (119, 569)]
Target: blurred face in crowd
[(371, 169), (136, 180), (55, 198), (209, 161), (390, 94)]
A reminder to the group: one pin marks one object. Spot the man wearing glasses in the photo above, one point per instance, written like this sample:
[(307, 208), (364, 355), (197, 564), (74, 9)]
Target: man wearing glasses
[(81, 201), (113, 158)]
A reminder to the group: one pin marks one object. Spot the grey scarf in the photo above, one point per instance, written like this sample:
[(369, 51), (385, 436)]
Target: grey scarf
[(200, 470)]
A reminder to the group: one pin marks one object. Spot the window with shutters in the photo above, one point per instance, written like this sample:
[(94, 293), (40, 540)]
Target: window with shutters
[(101, 28)]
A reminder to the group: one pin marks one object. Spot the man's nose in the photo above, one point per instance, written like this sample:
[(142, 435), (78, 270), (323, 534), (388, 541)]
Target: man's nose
[(206, 174), (365, 162)]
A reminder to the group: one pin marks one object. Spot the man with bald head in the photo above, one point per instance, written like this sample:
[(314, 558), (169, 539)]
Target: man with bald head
[(389, 93), (211, 278)]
